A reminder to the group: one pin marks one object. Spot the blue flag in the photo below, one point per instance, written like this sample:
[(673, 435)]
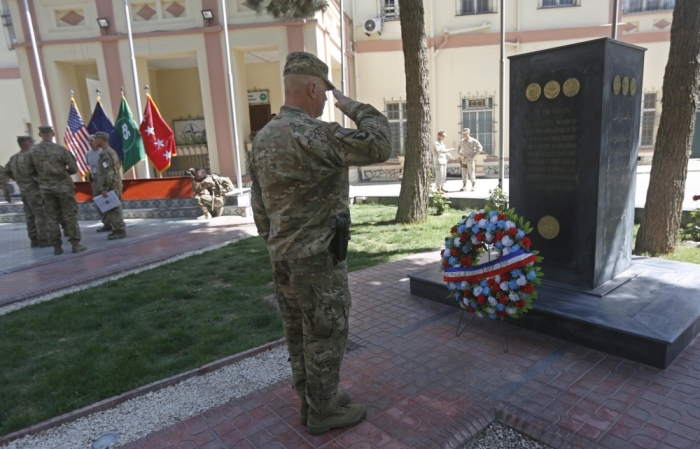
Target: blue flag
[(100, 122)]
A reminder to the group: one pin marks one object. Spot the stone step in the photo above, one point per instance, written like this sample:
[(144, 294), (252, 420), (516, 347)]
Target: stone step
[(154, 212)]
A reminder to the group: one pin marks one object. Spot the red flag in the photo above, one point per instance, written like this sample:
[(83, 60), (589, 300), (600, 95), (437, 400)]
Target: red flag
[(158, 138)]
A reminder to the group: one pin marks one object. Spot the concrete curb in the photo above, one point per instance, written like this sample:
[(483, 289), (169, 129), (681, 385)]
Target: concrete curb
[(108, 403)]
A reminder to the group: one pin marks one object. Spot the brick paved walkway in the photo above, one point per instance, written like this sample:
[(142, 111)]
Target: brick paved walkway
[(426, 387), (110, 258)]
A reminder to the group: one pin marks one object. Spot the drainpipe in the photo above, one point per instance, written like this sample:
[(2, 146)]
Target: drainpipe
[(37, 62), (447, 33)]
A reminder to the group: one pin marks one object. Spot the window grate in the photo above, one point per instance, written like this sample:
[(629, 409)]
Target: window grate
[(7, 25), (558, 3), (648, 119), (477, 115), (469, 7), (634, 6), (395, 111), (390, 10)]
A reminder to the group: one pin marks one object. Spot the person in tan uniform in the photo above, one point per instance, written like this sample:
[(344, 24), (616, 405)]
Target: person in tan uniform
[(300, 200), (468, 148)]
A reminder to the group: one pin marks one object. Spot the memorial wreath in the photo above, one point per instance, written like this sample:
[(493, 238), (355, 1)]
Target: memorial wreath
[(504, 286)]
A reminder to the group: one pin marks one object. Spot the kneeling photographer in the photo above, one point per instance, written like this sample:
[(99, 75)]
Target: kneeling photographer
[(209, 192)]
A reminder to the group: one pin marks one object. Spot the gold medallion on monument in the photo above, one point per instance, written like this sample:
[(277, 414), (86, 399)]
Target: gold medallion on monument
[(616, 84), (571, 87), (633, 86), (533, 92), (548, 227), (625, 86), (552, 89)]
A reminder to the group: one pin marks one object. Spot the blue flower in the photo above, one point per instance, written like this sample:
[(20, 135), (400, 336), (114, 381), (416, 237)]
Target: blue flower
[(499, 245), (493, 213), (516, 273), (457, 296), (492, 316), (461, 229), (483, 282), (531, 275), (512, 285), (501, 224), (476, 229), (448, 243), (475, 305), (500, 307), (452, 260), (490, 227), (514, 247), (487, 291), (520, 233)]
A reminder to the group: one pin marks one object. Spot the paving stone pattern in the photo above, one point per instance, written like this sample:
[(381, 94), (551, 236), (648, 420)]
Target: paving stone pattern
[(425, 387)]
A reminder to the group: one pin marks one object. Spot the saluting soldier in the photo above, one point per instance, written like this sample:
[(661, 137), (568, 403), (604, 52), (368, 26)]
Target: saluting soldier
[(300, 191), (110, 179), (52, 165), (468, 148), (34, 216)]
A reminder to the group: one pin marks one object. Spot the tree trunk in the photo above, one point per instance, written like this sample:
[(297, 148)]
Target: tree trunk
[(413, 199), (662, 213)]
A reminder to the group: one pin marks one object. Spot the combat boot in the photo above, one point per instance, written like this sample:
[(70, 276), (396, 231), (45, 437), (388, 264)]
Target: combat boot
[(341, 398), (44, 244), (105, 228), (57, 250), (341, 416), (218, 211), (473, 185), (117, 235), (77, 247), (205, 214), (35, 243)]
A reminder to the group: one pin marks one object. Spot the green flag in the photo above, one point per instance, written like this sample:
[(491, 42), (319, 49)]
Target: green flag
[(128, 131)]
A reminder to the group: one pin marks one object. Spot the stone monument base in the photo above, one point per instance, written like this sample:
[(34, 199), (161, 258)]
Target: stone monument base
[(648, 314)]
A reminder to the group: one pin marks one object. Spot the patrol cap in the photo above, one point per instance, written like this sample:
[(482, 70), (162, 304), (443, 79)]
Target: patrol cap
[(102, 135), (303, 63), (22, 139), (45, 129), (465, 130), (443, 133)]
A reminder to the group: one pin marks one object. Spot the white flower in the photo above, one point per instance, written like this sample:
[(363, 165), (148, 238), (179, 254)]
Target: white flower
[(478, 290), (451, 285), (510, 310), (469, 223), (491, 310), (509, 224), (465, 301), (487, 237), (521, 281), (456, 264), (513, 296), (492, 300), (481, 211), (465, 284), (494, 219), (479, 314), (505, 251), (497, 278), (507, 241), (475, 241), (482, 223), (457, 242), (504, 286), (530, 264)]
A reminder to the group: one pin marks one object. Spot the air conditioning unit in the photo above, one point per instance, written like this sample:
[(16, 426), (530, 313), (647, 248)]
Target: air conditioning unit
[(373, 26)]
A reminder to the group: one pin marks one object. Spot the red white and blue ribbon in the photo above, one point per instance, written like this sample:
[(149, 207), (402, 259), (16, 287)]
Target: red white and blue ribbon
[(501, 265)]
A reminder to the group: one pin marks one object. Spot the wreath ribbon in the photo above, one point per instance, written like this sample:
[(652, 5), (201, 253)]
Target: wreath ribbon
[(501, 265)]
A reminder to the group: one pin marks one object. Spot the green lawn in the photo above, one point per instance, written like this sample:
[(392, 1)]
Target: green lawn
[(67, 353)]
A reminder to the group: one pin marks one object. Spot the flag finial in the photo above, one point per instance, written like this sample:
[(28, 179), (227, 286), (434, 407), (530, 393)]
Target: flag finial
[(71, 94), (121, 89), (98, 91), (148, 89)]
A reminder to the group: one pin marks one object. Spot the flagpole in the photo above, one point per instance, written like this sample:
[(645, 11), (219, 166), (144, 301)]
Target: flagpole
[(37, 62), (134, 73), (231, 98), (502, 99), (342, 54)]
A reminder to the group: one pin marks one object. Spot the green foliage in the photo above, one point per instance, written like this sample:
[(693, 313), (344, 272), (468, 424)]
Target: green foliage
[(497, 200), (289, 9), (440, 203), (692, 229), (186, 139)]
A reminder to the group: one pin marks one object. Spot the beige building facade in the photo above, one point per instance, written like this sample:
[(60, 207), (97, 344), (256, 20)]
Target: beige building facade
[(180, 56)]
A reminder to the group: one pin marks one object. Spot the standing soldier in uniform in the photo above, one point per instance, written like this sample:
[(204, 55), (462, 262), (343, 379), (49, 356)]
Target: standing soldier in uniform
[(300, 200), (209, 192), (110, 178), (5, 185), (442, 153), (17, 169), (468, 148), (92, 157), (52, 165)]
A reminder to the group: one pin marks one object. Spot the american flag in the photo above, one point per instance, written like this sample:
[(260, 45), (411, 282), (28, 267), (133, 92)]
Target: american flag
[(76, 138)]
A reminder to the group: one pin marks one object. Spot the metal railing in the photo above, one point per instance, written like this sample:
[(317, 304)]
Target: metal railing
[(390, 13), (191, 156), (636, 6), (543, 4), (469, 7)]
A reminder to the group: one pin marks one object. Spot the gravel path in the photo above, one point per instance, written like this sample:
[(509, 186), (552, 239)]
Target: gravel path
[(498, 436), (154, 411)]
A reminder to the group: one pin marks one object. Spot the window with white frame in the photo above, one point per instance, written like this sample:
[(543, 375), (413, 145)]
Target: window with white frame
[(648, 119), (390, 9), (632, 6), (558, 3), (465, 7), (477, 115), (396, 113), (7, 25)]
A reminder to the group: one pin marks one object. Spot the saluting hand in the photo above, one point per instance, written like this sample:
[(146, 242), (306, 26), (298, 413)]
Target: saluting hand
[(343, 101)]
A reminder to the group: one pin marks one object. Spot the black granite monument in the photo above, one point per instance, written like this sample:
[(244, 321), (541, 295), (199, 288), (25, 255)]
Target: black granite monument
[(574, 130)]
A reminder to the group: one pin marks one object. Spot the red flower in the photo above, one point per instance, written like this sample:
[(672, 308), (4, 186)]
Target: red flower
[(525, 242), (454, 252), (466, 261), (464, 237), (445, 264), (501, 313), (520, 304), (478, 246), (478, 217), (495, 287), (481, 299), (490, 282), (499, 235), (503, 299), (696, 197), (512, 231), (467, 293), (501, 216), (453, 230), (470, 309), (480, 237), (528, 288), (442, 253), (505, 277)]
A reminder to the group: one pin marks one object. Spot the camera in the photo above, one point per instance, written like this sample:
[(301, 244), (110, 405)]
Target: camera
[(191, 172)]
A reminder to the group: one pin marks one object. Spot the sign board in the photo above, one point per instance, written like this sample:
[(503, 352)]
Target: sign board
[(259, 97)]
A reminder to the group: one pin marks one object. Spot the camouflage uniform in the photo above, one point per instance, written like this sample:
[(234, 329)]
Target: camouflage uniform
[(35, 217), (468, 149), (4, 185), (299, 170), (110, 178), (92, 158), (52, 164), (210, 192)]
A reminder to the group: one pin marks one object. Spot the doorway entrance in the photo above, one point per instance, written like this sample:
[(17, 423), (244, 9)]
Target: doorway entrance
[(260, 114)]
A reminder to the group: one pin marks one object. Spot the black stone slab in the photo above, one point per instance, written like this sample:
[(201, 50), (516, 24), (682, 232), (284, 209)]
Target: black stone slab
[(650, 317), (573, 155)]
